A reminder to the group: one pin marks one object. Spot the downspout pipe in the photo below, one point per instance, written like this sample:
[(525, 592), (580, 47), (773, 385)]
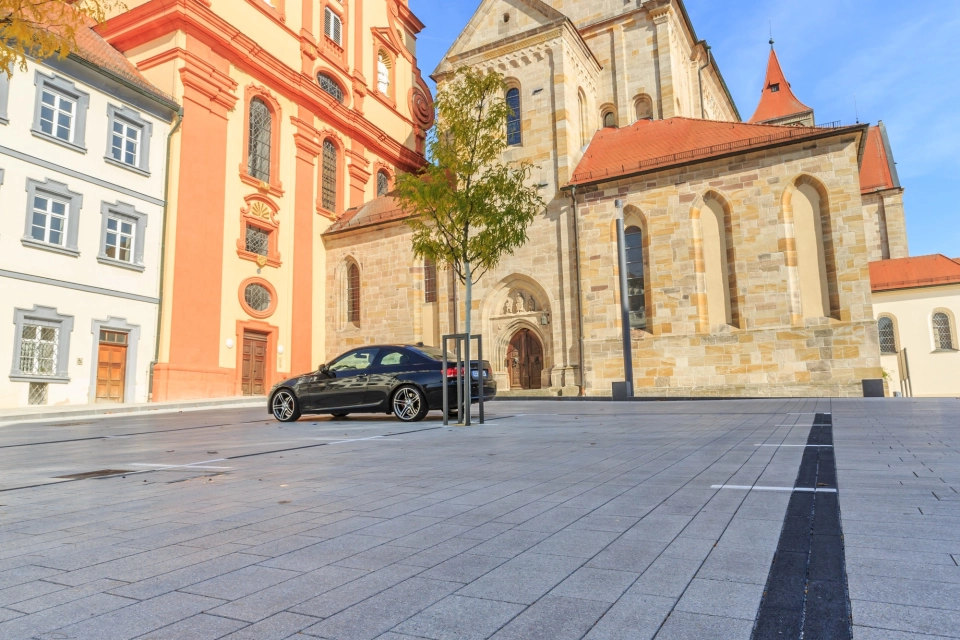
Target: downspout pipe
[(163, 242), (576, 247)]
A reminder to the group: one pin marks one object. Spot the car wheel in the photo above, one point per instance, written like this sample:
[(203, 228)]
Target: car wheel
[(285, 406), (409, 404)]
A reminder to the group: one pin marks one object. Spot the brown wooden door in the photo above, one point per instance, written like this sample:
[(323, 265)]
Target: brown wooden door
[(525, 360), (111, 371), (254, 364)]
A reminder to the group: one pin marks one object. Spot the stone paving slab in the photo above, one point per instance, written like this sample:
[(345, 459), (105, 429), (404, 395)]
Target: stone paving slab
[(554, 520)]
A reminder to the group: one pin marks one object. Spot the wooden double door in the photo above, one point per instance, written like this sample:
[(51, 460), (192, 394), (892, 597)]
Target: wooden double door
[(525, 360), (111, 366), (254, 381)]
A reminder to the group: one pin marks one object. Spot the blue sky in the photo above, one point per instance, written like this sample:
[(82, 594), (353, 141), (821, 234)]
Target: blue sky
[(900, 59)]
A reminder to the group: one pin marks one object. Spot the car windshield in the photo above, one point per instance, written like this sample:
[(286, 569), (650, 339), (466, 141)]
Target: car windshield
[(354, 360)]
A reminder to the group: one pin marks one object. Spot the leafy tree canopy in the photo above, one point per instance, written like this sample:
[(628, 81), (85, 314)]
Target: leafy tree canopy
[(45, 28)]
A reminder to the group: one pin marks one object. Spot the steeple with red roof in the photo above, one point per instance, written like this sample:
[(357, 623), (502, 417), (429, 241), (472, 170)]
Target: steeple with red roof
[(778, 104)]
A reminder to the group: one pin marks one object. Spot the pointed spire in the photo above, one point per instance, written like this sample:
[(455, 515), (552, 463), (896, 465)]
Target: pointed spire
[(777, 101)]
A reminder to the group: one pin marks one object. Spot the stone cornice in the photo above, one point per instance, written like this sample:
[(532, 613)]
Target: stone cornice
[(158, 17)]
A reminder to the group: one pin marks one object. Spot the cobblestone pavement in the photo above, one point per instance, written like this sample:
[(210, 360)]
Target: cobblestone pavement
[(556, 520)]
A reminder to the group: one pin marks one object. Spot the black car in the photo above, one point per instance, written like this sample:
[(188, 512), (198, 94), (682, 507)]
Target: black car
[(404, 380)]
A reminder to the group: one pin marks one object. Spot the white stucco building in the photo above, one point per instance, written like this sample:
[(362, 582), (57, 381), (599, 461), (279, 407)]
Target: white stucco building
[(83, 145), (917, 304)]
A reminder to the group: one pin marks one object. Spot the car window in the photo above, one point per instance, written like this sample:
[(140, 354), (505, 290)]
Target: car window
[(431, 353), (355, 360), (393, 359)]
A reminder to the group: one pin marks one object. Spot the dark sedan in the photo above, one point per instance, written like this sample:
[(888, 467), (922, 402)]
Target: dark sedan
[(404, 380)]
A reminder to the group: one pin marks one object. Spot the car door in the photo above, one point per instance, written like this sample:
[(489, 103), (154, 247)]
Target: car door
[(349, 375), (388, 371), (311, 387)]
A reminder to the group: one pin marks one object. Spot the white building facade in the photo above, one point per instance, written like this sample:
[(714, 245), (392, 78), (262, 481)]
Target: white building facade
[(83, 146)]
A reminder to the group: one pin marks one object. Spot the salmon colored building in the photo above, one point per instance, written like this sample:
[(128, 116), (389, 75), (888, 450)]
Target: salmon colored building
[(293, 112)]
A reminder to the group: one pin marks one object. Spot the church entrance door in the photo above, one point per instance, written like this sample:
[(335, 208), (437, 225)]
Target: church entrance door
[(525, 360)]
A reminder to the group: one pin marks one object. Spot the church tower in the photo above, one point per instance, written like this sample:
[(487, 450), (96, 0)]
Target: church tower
[(778, 104)]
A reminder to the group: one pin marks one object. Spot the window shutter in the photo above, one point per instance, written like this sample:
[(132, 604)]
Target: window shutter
[(332, 26)]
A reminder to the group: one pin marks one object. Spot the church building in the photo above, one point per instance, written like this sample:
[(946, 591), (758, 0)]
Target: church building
[(749, 243)]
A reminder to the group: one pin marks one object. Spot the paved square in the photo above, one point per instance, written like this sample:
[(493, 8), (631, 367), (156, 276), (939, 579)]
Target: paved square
[(556, 520)]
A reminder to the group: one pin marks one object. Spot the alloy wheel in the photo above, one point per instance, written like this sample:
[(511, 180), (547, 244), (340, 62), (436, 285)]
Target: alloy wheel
[(406, 404), (284, 406)]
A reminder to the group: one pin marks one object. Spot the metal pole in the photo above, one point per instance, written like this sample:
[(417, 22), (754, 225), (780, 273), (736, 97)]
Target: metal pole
[(459, 380), (480, 372), (624, 300), (446, 388)]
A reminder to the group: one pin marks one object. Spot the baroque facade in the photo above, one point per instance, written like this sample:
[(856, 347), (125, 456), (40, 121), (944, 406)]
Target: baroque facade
[(293, 112), (749, 243), (83, 142)]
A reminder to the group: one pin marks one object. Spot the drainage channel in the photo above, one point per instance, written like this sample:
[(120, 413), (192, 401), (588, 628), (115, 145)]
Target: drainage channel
[(806, 596)]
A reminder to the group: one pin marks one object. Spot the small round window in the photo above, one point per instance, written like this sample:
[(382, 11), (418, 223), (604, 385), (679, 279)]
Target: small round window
[(257, 297)]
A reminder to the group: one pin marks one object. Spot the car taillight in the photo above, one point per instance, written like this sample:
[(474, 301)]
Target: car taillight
[(452, 372)]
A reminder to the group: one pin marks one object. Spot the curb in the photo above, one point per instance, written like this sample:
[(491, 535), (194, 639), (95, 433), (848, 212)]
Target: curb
[(85, 411)]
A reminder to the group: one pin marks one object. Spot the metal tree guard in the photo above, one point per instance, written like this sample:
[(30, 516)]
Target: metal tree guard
[(464, 395)]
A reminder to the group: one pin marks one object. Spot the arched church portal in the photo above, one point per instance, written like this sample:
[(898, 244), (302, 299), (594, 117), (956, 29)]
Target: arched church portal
[(525, 360)]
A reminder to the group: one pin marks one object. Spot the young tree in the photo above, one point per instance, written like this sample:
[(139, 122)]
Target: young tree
[(468, 207), (44, 28)]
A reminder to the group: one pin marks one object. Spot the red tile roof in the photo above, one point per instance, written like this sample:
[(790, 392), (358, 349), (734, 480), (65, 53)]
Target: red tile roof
[(875, 174), (779, 103), (95, 50), (383, 209), (910, 273), (655, 144)]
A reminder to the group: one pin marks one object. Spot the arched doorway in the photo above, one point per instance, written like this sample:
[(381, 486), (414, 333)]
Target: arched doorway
[(525, 360)]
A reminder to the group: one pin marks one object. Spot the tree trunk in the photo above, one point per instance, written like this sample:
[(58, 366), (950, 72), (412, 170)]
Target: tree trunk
[(468, 374)]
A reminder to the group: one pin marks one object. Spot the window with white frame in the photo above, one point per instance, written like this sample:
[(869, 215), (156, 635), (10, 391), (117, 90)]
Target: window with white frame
[(57, 114), (38, 350), (128, 139), (333, 26), (125, 143), (60, 111), (121, 235), (41, 345), (49, 220)]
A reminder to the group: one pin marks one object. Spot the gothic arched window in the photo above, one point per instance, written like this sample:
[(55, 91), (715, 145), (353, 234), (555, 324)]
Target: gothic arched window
[(513, 120), (329, 195), (353, 293), (383, 183), (888, 339), (259, 140), (942, 331), (636, 294)]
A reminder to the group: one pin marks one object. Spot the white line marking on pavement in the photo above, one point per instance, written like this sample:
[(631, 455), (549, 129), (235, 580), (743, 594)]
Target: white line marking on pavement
[(746, 487), (829, 446)]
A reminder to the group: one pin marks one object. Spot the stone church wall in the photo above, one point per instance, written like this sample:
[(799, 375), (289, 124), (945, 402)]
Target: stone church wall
[(774, 351)]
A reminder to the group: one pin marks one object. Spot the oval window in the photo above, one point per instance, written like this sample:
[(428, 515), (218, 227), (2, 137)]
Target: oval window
[(257, 297)]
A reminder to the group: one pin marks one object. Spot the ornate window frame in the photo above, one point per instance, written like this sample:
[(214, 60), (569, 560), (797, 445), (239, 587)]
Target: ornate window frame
[(139, 220), (382, 46), (274, 9), (133, 119), (59, 85), (49, 317), (330, 48), (275, 186), (379, 168), (58, 190), (261, 212), (250, 311)]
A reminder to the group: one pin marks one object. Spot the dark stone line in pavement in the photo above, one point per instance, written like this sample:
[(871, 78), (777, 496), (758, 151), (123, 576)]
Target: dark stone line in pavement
[(806, 594)]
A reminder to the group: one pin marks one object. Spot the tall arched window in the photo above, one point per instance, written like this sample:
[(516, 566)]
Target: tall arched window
[(258, 142), (330, 86), (513, 120), (888, 339), (584, 130), (716, 263), (329, 195), (383, 183), (429, 280), (383, 72), (636, 290), (942, 331), (814, 259), (353, 293)]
